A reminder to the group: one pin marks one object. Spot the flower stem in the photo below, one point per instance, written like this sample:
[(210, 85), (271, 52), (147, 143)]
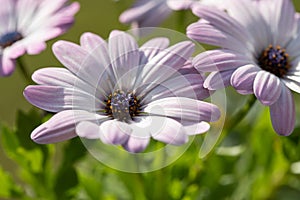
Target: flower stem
[(24, 71), (241, 114)]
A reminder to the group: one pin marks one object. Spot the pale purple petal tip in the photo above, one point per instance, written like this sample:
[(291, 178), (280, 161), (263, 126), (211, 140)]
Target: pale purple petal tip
[(114, 132), (59, 128), (283, 113), (218, 80), (267, 87), (88, 130), (243, 78), (62, 126), (135, 144), (7, 66), (198, 128), (172, 132)]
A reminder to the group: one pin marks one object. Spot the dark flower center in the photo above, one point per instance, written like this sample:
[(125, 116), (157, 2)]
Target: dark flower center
[(9, 38), (274, 60), (122, 106)]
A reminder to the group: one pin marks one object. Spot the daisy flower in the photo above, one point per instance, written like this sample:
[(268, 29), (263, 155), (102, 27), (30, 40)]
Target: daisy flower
[(150, 13), (120, 93), (260, 43), (25, 25)]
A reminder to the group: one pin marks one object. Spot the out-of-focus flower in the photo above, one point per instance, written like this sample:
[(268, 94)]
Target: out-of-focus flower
[(25, 25), (121, 93), (150, 13), (260, 43)]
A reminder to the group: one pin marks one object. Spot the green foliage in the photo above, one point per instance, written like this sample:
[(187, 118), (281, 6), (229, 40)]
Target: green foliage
[(251, 163)]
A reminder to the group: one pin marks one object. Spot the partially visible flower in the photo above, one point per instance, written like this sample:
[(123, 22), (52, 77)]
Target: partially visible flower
[(150, 13), (25, 25), (121, 93), (260, 43)]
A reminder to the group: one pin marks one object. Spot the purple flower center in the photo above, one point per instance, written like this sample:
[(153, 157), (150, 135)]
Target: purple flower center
[(9, 38), (274, 60), (122, 106)]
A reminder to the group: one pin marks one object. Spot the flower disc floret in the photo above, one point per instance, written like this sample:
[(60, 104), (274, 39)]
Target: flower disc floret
[(8, 39), (122, 106), (275, 61)]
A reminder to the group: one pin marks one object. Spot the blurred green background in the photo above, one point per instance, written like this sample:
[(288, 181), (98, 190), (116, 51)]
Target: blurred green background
[(252, 162)]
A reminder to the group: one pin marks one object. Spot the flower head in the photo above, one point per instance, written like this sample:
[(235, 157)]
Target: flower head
[(145, 13), (260, 43), (121, 93), (26, 25)]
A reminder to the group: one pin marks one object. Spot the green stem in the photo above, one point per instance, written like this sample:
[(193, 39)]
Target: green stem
[(24, 71), (241, 114)]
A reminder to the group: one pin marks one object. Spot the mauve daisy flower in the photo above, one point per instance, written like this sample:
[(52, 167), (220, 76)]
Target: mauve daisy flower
[(150, 13), (260, 55), (25, 25), (121, 93)]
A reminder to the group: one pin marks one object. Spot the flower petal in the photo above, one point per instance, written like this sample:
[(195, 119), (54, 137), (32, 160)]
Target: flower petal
[(280, 15), (190, 87), (7, 66), (89, 130), (283, 114), (90, 41), (219, 60), (152, 47), (184, 110), (171, 131), (146, 13), (136, 144), (164, 65), (243, 78), (218, 80), (292, 83), (70, 55), (61, 126), (204, 32), (224, 23), (267, 87), (124, 56), (115, 132), (92, 67), (247, 13), (198, 128), (56, 99), (180, 5)]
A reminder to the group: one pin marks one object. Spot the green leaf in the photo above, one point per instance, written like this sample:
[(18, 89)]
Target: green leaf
[(8, 188), (66, 180), (26, 123)]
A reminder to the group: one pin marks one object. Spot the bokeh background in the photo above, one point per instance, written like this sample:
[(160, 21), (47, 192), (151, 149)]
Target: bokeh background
[(252, 162)]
